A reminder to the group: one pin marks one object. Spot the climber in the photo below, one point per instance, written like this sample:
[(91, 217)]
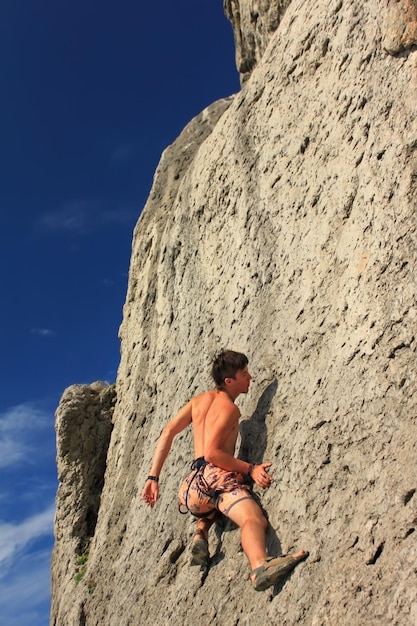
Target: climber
[(218, 481)]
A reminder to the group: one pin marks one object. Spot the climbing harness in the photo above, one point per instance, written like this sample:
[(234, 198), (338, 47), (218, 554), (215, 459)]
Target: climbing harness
[(197, 465)]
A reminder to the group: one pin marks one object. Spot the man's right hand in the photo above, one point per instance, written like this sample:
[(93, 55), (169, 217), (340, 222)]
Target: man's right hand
[(261, 476), (150, 493)]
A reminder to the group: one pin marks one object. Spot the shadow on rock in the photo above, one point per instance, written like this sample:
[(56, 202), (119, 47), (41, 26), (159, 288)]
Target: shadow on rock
[(253, 430)]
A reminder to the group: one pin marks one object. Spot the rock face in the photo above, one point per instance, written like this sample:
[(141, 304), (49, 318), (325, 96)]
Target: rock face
[(253, 23), (83, 429), (282, 223)]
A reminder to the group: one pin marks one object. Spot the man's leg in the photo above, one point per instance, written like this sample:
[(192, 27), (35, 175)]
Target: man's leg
[(247, 514), (199, 549), (203, 526)]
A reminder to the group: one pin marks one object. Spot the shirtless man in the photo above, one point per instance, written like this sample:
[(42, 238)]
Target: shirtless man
[(216, 482)]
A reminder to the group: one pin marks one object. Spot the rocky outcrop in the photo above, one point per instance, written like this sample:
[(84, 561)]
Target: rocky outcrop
[(83, 429), (282, 223), (253, 22), (400, 26)]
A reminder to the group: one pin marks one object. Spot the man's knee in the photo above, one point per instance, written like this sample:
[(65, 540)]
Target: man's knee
[(243, 511), (261, 520)]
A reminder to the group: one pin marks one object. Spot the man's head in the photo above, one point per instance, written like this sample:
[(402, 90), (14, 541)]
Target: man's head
[(225, 365)]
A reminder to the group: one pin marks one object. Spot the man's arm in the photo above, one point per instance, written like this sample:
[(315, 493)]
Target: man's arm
[(216, 449), (183, 419), (218, 438)]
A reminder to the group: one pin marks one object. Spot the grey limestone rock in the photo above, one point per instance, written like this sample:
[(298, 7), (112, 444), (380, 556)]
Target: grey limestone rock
[(282, 222), (253, 23)]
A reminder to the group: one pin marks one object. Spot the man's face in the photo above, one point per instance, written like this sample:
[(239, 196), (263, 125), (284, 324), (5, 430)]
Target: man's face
[(242, 380)]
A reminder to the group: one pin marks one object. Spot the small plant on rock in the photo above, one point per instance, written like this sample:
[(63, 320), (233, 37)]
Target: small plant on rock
[(81, 564)]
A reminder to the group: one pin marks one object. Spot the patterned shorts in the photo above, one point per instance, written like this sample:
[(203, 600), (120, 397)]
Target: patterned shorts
[(208, 488)]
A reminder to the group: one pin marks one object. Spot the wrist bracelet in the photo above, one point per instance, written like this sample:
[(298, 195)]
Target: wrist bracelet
[(155, 478), (250, 469)]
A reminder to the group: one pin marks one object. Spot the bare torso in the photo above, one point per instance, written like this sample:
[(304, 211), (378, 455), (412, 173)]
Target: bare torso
[(206, 409)]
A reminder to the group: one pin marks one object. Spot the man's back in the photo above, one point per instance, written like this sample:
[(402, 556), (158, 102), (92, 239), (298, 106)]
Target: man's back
[(204, 409)]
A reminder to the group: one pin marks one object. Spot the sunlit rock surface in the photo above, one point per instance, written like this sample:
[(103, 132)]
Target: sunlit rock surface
[(282, 222)]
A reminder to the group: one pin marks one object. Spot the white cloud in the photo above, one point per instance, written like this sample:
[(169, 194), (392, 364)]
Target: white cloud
[(27, 511), (43, 332), (15, 537), (71, 217), (18, 426), (81, 217), (107, 282), (10, 451), (25, 590), (123, 216), (122, 152)]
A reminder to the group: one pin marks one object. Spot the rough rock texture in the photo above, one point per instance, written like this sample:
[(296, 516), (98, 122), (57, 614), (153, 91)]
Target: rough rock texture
[(253, 22), (400, 26), (83, 429), (282, 222)]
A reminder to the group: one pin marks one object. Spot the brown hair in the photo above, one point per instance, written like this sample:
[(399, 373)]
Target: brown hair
[(226, 364)]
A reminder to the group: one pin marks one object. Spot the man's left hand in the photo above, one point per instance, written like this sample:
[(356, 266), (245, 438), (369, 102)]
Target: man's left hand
[(261, 476)]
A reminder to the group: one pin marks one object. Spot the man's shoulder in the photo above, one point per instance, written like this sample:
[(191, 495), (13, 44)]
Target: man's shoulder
[(225, 407), (203, 398)]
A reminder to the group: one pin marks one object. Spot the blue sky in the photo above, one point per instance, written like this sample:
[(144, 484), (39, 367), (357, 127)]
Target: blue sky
[(92, 92)]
